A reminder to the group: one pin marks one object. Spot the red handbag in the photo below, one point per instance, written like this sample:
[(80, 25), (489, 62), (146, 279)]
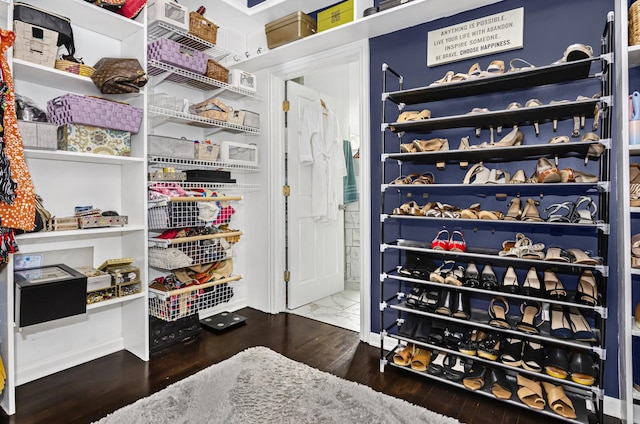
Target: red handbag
[(132, 8)]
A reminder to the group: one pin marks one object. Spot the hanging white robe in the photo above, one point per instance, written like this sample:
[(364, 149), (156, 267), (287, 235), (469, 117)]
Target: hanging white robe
[(321, 148)]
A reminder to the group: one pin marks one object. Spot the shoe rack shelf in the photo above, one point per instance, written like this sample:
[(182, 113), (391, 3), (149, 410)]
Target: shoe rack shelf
[(160, 116), (395, 287)]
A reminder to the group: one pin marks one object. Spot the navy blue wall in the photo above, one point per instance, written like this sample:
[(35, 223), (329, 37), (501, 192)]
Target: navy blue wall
[(549, 27)]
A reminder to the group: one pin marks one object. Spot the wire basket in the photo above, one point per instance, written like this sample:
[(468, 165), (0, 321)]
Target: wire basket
[(202, 27), (634, 24), (176, 304), (217, 72), (75, 68), (183, 214)]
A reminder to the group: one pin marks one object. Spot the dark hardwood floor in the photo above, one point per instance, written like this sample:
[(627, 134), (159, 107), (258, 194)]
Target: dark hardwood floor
[(90, 391)]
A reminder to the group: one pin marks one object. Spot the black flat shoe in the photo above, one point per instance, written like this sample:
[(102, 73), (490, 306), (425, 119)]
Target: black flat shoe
[(474, 377), (472, 276), (499, 385), (462, 307), (512, 352), (556, 364), (510, 281), (582, 369), (532, 356), (454, 368), (489, 281)]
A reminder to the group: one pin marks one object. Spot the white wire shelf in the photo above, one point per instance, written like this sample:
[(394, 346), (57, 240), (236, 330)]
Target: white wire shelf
[(162, 30), (218, 186), (160, 116), (187, 164), (165, 72)]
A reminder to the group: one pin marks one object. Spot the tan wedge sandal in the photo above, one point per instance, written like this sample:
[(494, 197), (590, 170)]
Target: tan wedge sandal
[(530, 392), (558, 401)]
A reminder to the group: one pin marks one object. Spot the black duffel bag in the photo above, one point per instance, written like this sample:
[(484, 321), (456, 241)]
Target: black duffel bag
[(45, 19)]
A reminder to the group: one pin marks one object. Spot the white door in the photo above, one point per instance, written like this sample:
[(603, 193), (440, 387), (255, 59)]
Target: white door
[(315, 249)]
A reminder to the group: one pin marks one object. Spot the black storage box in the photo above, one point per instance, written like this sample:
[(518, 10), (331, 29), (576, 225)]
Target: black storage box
[(203, 175), (47, 293), (163, 334)]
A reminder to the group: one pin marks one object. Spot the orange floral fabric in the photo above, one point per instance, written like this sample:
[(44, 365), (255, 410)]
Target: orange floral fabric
[(21, 213)]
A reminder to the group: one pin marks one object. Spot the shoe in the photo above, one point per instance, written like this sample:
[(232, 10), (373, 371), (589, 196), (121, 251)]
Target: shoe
[(558, 401), (406, 208), (530, 212), (585, 211), (423, 330), (454, 368), (553, 288), (556, 364), (427, 178), (531, 286), (473, 337), (580, 257), (498, 309), (582, 369), (462, 306), (531, 317), (514, 138), (532, 356), (499, 385), (512, 106), (414, 115), (444, 80), (491, 215), (559, 212), (455, 277), (557, 254), (498, 176), (436, 366), (408, 148), (490, 347), (530, 392), (560, 324), (408, 328), (519, 177), (534, 103), (514, 213), (546, 171), (512, 354), (575, 52), (510, 281), (471, 276), (441, 240), (477, 174), (580, 327), (474, 377), (523, 67), (496, 67), (403, 356), (420, 359), (474, 71), (559, 139), (440, 274), (433, 145), (471, 212), (404, 180), (587, 292), (457, 243), (445, 302), (488, 278)]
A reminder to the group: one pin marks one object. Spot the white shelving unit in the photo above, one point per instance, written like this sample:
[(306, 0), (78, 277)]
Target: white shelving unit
[(69, 179)]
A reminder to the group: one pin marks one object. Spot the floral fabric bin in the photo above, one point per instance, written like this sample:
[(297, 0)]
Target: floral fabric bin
[(97, 140)]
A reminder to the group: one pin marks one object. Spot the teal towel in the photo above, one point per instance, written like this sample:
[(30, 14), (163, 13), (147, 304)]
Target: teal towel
[(350, 193)]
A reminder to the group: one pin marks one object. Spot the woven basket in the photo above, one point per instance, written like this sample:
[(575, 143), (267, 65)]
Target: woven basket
[(634, 24), (217, 72), (202, 27), (74, 68)]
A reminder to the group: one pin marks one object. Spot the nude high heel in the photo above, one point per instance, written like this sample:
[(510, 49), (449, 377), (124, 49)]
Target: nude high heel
[(464, 145), (534, 103), (530, 211), (514, 138), (514, 213)]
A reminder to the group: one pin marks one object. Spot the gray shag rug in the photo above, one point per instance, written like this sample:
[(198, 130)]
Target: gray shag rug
[(259, 385)]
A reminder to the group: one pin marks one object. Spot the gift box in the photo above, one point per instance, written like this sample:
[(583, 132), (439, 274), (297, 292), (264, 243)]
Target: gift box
[(38, 135), (242, 79), (121, 270), (289, 28), (97, 140), (212, 108)]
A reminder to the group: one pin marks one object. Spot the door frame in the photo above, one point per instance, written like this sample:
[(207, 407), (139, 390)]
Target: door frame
[(276, 76)]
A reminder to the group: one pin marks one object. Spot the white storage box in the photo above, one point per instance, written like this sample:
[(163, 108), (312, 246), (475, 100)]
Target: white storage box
[(38, 135), (242, 79), (239, 153), (170, 12), (170, 147), (244, 117), (35, 44)]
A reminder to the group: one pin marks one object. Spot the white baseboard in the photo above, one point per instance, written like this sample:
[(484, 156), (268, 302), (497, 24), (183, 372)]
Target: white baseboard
[(611, 405), (53, 364)]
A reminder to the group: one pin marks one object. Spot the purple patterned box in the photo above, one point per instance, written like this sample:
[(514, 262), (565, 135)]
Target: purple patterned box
[(176, 54), (77, 109)]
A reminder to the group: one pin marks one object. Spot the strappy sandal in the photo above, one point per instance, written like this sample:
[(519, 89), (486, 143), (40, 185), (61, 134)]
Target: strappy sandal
[(405, 208), (587, 292), (556, 254), (530, 392), (512, 354), (559, 212), (420, 359), (471, 212), (530, 212), (403, 356), (498, 309), (477, 174), (404, 179), (496, 67), (585, 211), (530, 310), (553, 288), (580, 327), (514, 212), (441, 240), (558, 401), (500, 386), (440, 273), (408, 148), (432, 145), (445, 79), (532, 356), (427, 178), (491, 215), (581, 257), (414, 115), (455, 277), (524, 65), (472, 338), (474, 377)]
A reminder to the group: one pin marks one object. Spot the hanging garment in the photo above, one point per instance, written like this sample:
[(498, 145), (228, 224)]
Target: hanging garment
[(321, 148), (7, 184), (350, 191), (21, 213)]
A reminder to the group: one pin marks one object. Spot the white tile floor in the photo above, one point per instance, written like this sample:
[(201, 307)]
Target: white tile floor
[(341, 309)]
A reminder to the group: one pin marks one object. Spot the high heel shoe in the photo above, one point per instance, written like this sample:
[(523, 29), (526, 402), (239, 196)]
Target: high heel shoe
[(496, 67), (457, 242), (472, 276), (440, 273), (580, 327), (587, 293), (519, 177), (498, 309), (464, 145), (531, 285), (510, 281), (530, 211), (477, 174), (514, 138), (553, 287), (514, 213), (547, 172), (441, 240), (534, 103), (488, 278), (471, 212), (530, 310), (433, 145), (462, 306), (512, 106)]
